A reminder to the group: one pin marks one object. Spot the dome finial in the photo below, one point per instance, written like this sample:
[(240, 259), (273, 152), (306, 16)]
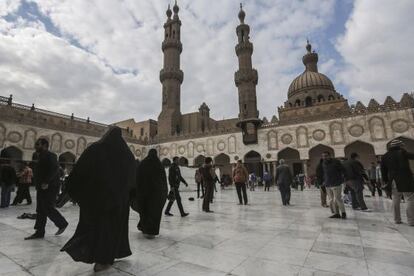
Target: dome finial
[(308, 46), (242, 14), (169, 12)]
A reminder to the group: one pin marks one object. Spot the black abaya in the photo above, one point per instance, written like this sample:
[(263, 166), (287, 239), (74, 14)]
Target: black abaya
[(100, 183), (152, 193)]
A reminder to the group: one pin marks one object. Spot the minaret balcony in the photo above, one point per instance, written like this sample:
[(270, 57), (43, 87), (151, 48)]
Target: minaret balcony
[(170, 73), (172, 43), (244, 47), (246, 75)]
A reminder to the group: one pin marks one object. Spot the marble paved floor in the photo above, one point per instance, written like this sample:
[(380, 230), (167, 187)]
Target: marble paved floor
[(264, 238)]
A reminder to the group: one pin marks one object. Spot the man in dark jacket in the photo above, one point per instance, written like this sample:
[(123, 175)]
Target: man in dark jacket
[(209, 179), (152, 190), (355, 177), (284, 181), (319, 181), (332, 179), (46, 179), (8, 179), (175, 178), (398, 177)]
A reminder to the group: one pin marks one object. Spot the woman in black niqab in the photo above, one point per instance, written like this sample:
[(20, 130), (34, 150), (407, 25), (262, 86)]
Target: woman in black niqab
[(152, 193), (100, 183)]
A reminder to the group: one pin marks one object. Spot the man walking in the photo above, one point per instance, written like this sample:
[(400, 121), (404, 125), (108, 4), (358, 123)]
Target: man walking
[(8, 180), (398, 177), (209, 178), (267, 178), (284, 180), (175, 178), (355, 176), (333, 179), (46, 178), (199, 182)]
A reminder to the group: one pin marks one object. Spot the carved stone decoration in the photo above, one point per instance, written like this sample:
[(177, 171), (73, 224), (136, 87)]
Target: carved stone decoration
[(302, 137), (236, 158), (190, 149), (2, 135), (356, 130), (210, 147), (287, 138), (181, 150), (337, 133), (221, 145), (144, 152), (319, 135), (81, 145), (232, 144), (377, 128), (200, 148), (173, 150), (69, 144), (29, 139), (399, 126), (272, 140), (138, 153), (165, 151), (268, 156), (56, 145), (14, 136)]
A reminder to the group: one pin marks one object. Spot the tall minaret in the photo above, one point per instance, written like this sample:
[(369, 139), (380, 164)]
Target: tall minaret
[(171, 76), (246, 80)]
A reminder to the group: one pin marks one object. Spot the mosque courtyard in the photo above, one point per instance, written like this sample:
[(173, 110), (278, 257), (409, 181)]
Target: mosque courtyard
[(263, 238)]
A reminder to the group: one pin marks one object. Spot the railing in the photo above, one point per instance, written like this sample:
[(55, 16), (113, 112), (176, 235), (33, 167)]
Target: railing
[(9, 101)]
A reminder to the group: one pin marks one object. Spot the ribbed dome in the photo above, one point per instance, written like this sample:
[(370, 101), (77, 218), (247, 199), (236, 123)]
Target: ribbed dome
[(309, 80)]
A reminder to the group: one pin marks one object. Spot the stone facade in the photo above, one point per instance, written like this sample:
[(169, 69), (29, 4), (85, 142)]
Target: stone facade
[(315, 118)]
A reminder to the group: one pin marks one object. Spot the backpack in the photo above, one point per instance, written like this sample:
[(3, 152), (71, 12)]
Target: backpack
[(239, 175)]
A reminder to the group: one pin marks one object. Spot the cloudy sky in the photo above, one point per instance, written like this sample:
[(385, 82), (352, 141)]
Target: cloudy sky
[(101, 58)]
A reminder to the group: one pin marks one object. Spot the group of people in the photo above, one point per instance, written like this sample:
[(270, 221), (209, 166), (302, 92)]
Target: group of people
[(107, 181), (392, 174), (9, 179)]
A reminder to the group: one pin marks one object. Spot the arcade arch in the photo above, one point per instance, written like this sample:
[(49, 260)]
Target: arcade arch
[(292, 159), (365, 151), (252, 161), (315, 157)]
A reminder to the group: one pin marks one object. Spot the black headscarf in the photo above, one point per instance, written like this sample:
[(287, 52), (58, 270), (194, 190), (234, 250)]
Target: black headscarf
[(104, 173)]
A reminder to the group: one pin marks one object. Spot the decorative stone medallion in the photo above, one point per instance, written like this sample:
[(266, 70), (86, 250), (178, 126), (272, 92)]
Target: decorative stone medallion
[(69, 144), (14, 136), (221, 146), (268, 156), (165, 151), (319, 135), (200, 148), (236, 158), (399, 126), (181, 149), (356, 130), (287, 139), (138, 152)]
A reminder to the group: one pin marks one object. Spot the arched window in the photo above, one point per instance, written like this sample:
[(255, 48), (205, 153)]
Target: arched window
[(321, 98), (308, 101), (297, 103), (331, 97)]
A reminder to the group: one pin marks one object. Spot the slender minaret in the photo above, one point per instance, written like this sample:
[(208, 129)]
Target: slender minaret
[(246, 80), (171, 76)]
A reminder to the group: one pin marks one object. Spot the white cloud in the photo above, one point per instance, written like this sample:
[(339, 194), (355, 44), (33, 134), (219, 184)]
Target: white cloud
[(126, 36), (377, 49)]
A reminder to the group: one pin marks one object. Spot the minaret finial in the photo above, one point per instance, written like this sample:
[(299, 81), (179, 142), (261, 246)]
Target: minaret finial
[(169, 12), (242, 14), (176, 8)]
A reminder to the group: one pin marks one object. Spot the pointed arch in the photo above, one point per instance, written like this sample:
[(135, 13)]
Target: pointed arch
[(365, 151)]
